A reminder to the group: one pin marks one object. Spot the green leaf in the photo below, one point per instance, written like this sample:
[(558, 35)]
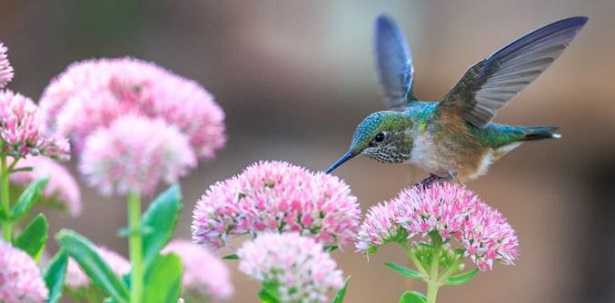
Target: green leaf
[(231, 257), (269, 293), (84, 252), (462, 278), (331, 248), (404, 271), (161, 217), (412, 297), (54, 276), (28, 198), (163, 279), (33, 238), (339, 296)]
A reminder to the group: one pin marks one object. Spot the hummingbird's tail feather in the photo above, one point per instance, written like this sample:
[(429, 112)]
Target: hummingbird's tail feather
[(540, 132)]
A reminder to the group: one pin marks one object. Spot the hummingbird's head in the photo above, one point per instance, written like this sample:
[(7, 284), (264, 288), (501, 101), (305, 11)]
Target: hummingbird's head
[(384, 136)]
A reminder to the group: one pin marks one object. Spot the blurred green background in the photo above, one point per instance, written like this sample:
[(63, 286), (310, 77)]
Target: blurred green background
[(295, 77)]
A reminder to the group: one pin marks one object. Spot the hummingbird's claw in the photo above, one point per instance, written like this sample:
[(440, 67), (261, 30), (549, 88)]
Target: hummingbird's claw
[(429, 181)]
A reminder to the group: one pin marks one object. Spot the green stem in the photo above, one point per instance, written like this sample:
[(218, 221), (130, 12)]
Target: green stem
[(136, 247), (5, 198), (433, 284)]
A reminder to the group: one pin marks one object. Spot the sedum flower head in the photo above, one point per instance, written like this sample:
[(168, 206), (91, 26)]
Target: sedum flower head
[(76, 278), (277, 196), (6, 70), (298, 265), (62, 189), (205, 275), (452, 211), (22, 130), (20, 278), (93, 93), (135, 154)]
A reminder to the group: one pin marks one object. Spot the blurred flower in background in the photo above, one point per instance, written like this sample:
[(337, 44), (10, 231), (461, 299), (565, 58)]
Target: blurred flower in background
[(205, 277), (277, 196), (20, 277), (93, 93), (62, 189), (298, 266), (135, 153), (6, 70)]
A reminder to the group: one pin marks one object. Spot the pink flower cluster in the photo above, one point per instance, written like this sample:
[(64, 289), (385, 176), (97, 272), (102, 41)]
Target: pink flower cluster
[(134, 154), (20, 278), (205, 275), (93, 93), (76, 278), (6, 70), (277, 196), (61, 189), (299, 265), (22, 130), (450, 210)]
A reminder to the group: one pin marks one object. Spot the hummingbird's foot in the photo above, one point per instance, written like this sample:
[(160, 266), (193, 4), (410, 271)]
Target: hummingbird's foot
[(427, 182)]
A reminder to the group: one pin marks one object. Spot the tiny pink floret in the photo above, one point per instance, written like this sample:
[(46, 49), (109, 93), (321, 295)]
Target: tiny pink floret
[(6, 70)]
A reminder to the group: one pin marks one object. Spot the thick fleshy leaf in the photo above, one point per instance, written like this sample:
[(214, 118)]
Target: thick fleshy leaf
[(54, 276), (404, 271), (33, 238), (163, 280), (339, 296), (28, 198), (231, 257), (160, 218), (462, 278), (412, 297), (84, 253), (269, 293)]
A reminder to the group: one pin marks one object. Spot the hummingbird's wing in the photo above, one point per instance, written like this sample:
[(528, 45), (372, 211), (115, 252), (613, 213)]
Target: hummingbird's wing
[(488, 85), (394, 63)]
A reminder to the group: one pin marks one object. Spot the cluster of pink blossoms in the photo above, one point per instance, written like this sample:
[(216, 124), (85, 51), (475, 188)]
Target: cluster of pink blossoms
[(76, 278), (452, 211), (205, 276), (277, 196), (298, 265), (23, 131), (20, 278), (62, 189), (134, 123)]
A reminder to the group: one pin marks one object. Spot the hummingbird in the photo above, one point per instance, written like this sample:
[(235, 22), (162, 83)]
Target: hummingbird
[(454, 138)]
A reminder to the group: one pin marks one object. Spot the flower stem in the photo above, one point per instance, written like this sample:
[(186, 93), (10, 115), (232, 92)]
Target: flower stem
[(433, 284), (136, 247), (5, 197)]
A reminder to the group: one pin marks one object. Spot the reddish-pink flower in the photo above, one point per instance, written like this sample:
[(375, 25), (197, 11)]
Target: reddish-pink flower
[(76, 278), (299, 265), (452, 211), (205, 275), (135, 154), (22, 130), (93, 93), (277, 196), (20, 278), (6, 70), (62, 189)]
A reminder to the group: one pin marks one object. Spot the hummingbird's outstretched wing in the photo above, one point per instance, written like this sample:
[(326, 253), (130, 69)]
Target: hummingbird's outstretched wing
[(488, 85), (394, 63)]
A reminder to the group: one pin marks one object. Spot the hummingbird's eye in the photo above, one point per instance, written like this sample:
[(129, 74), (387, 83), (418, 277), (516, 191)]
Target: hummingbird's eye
[(379, 138)]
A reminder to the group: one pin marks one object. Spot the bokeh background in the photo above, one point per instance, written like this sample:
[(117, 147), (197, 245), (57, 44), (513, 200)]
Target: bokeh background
[(295, 77)]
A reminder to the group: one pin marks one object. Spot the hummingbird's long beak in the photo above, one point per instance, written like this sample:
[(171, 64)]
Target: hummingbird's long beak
[(347, 156)]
